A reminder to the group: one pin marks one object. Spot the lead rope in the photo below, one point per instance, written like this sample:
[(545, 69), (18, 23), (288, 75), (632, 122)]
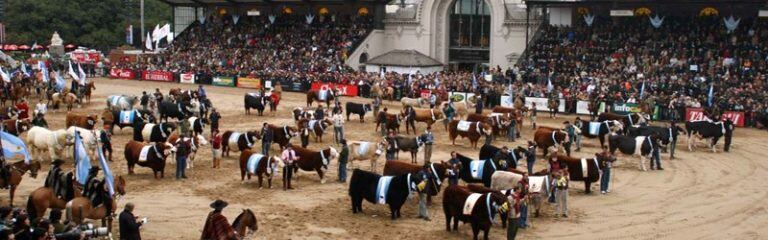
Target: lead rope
[(437, 178), (488, 206)]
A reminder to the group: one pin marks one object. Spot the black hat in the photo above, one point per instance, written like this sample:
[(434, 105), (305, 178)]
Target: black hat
[(94, 169), (57, 162), (343, 141), (219, 204)]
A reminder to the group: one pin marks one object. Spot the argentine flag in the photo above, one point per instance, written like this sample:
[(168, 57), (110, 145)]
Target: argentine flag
[(13, 146), (107, 172), (82, 161), (60, 82), (43, 71), (24, 69), (5, 76)]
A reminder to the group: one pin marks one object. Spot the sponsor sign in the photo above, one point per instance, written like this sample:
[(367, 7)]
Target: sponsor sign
[(187, 78), (736, 117), (344, 89), (582, 107), (245, 82), (122, 73), (224, 81), (625, 108), (542, 104), (82, 57), (161, 76), (697, 114)]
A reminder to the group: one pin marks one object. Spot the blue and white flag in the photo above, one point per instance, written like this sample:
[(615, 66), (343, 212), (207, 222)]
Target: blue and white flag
[(642, 89), (550, 87), (235, 18), (709, 96), (437, 80), (107, 172), (82, 161), (43, 71), (5, 76), (24, 69), (474, 81), (13, 146), (72, 72), (60, 82), (82, 79)]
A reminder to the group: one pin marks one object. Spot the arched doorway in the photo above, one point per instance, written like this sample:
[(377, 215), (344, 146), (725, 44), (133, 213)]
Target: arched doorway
[(470, 34)]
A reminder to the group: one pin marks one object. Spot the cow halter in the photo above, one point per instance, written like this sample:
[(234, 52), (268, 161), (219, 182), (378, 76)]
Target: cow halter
[(437, 178), (247, 139), (17, 126), (287, 134), (162, 132), (631, 123), (408, 184), (649, 143), (670, 135), (488, 207), (477, 127), (514, 155), (325, 160), (596, 165), (157, 153), (553, 138)]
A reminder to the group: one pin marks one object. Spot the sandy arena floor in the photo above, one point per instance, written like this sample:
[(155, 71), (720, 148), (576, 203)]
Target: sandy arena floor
[(700, 195)]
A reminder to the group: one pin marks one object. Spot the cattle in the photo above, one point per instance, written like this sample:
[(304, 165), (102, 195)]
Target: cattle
[(152, 156), (360, 151), (709, 130), (299, 113), (428, 116), (414, 102), (640, 146), (471, 130), (377, 189), (316, 127), (121, 102), (237, 141), (68, 98), (459, 107), (545, 137), (150, 132), (197, 125), (274, 100), (310, 160), (459, 204), (628, 120), (408, 144), (197, 141), (253, 163), (321, 96), (177, 110), (41, 139), (496, 120), (253, 100), (16, 127), (392, 120), (90, 139), (9, 113), (359, 109), (437, 173), (283, 135), (577, 171), (477, 171), (666, 134), (600, 129), (83, 121), (122, 119), (511, 158)]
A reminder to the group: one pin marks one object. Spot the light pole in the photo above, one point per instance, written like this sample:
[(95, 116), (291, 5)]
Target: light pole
[(141, 7)]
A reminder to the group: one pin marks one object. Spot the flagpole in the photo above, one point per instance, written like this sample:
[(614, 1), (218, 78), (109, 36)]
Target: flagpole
[(141, 7)]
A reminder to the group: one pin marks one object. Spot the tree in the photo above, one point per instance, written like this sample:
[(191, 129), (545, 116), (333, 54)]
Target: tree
[(98, 24)]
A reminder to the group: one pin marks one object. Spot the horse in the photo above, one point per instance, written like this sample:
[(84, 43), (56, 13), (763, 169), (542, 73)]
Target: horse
[(81, 208), (87, 91), (68, 98), (245, 222), (17, 171), (46, 197)]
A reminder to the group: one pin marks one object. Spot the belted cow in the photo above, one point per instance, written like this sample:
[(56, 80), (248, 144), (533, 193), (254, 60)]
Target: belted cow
[(428, 116), (583, 169), (16, 127), (121, 102), (255, 101), (178, 110), (196, 143), (510, 159), (437, 172), (310, 160), (321, 95), (299, 113), (639, 146), (150, 132), (496, 120), (628, 120), (359, 109), (459, 204), (316, 127), (466, 129), (477, 171), (152, 156), (666, 135), (283, 134), (253, 163), (600, 129), (710, 130), (377, 189), (548, 137), (361, 151), (122, 119), (237, 141)]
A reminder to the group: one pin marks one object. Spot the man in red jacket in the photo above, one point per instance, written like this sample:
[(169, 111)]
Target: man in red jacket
[(216, 225), (23, 108)]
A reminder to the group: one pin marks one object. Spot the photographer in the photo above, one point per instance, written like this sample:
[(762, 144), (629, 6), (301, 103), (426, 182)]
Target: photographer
[(129, 224)]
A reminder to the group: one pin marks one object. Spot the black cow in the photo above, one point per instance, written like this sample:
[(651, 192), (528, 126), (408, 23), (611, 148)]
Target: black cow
[(518, 153), (488, 168), (409, 144), (710, 130), (256, 102), (178, 110), (604, 129), (364, 185), (628, 145), (666, 134), (359, 109)]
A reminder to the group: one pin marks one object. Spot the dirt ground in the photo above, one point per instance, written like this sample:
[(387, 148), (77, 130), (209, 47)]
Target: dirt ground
[(699, 195)]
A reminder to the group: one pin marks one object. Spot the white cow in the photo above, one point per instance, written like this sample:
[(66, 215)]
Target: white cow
[(359, 151), (90, 140), (41, 139)]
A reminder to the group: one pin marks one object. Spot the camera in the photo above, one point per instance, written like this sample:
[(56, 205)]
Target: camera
[(91, 232)]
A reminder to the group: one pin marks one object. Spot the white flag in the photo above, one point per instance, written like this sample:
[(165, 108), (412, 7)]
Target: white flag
[(82, 79), (148, 43), (72, 72), (156, 32), (5, 75)]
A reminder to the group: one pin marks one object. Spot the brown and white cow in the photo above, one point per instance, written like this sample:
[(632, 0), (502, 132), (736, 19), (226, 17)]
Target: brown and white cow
[(197, 142), (316, 127), (393, 121), (151, 155), (496, 120), (16, 126), (237, 141), (282, 135), (546, 137), (428, 116), (310, 160), (82, 121), (460, 107), (254, 163), (473, 131), (361, 151)]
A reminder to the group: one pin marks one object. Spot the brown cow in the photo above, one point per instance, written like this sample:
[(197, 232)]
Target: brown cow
[(69, 98), (546, 137), (428, 116), (258, 166), (155, 156), (16, 127), (81, 121), (314, 160), (393, 122), (316, 127), (238, 143), (314, 95), (474, 132), (517, 114), (282, 135), (496, 120)]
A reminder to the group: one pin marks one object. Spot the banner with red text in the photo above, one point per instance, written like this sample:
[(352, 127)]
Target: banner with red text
[(161, 76), (188, 78), (83, 57), (344, 89), (697, 114), (122, 73)]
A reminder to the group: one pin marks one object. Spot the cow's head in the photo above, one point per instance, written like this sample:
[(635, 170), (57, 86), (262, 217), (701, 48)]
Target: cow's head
[(615, 125), (23, 125), (334, 153), (381, 147), (200, 140), (487, 129), (167, 148)]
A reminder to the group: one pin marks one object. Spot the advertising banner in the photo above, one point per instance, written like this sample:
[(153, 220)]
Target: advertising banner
[(122, 73), (625, 108), (344, 89), (541, 104), (736, 117), (187, 78), (582, 107), (697, 114), (161, 76), (224, 81), (245, 82), (83, 57)]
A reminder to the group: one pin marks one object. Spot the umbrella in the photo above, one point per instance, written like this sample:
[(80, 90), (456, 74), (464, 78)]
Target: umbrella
[(38, 47), (23, 47), (11, 47), (70, 46)]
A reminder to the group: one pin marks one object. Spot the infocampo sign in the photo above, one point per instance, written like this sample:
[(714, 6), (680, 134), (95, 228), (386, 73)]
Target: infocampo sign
[(625, 108)]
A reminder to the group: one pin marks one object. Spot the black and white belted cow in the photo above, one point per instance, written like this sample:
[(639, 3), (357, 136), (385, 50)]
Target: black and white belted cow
[(150, 132), (600, 129), (628, 120), (237, 141), (666, 135), (710, 130), (640, 146), (197, 125), (359, 109), (377, 189)]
